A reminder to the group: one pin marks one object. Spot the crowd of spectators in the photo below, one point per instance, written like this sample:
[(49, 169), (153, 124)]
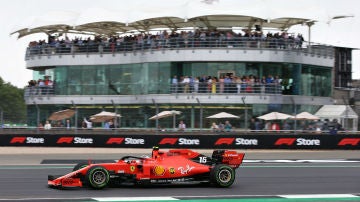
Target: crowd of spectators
[(319, 126), (228, 84), (165, 39), (41, 86), (200, 84)]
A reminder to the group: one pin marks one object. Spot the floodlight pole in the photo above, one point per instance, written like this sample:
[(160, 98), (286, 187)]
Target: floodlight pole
[(201, 114), (295, 111), (157, 112), (309, 24), (115, 111), (246, 111), (37, 117), (76, 115), (1, 117)]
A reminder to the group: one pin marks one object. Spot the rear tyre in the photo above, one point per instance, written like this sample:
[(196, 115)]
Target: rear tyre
[(97, 177), (80, 165), (222, 175)]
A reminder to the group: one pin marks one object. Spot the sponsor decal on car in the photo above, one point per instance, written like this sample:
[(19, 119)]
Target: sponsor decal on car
[(68, 181), (185, 170), (159, 170), (172, 170), (132, 168)]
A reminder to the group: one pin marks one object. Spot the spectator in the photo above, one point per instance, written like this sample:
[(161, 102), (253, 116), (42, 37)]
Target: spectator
[(174, 84), (161, 129), (275, 126), (334, 127), (111, 124), (252, 124), (214, 127), (286, 126), (325, 126), (228, 126), (88, 123), (47, 125), (317, 129), (258, 125), (59, 124), (221, 127), (182, 126), (41, 126), (107, 125), (267, 125), (67, 124)]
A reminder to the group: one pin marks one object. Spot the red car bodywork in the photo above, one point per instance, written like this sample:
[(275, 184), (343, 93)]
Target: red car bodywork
[(175, 165)]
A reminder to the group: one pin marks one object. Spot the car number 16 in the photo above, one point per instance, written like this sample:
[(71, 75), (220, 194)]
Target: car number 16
[(202, 159)]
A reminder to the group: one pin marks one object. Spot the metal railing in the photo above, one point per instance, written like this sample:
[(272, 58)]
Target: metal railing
[(148, 131), (152, 44), (159, 88), (38, 90)]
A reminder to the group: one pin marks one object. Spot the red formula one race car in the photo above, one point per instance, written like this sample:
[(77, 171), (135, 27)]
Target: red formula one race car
[(173, 166)]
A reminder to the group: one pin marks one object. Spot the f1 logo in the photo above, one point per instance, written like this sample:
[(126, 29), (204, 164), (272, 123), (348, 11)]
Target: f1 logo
[(115, 140), (18, 140), (349, 141), (171, 141), (285, 141), (227, 141), (67, 140)]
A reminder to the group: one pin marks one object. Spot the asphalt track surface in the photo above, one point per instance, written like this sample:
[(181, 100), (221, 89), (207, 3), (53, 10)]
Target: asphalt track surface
[(264, 174)]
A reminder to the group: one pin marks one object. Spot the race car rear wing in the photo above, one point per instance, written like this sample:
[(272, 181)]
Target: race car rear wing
[(229, 157)]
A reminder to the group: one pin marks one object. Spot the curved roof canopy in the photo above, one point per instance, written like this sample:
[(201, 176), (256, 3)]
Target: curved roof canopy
[(196, 13)]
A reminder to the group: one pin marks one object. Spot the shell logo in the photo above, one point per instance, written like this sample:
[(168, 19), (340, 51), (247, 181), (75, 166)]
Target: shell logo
[(132, 168), (159, 170)]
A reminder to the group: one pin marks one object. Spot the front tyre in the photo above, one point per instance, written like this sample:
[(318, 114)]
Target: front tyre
[(222, 175), (97, 177), (80, 165)]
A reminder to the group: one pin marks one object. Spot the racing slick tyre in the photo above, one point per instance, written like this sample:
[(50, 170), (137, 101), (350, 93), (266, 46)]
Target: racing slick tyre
[(97, 177), (80, 165), (222, 175)]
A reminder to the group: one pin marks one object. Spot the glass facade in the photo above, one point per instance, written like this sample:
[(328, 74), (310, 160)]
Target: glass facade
[(154, 78)]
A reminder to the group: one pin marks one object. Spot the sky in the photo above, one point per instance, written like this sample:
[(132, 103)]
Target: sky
[(342, 32)]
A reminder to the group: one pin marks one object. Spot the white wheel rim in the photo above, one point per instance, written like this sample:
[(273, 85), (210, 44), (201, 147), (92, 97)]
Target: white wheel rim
[(99, 177), (224, 176)]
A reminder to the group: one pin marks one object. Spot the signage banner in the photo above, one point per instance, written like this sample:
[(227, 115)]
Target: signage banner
[(258, 141)]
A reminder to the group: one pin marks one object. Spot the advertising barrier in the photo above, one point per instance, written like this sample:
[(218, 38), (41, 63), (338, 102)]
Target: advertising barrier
[(265, 141)]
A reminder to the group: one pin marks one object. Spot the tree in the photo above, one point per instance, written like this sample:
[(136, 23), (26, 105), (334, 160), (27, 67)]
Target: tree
[(12, 103)]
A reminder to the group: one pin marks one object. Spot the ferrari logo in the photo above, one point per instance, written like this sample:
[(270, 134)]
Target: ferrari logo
[(172, 170), (159, 170), (132, 168)]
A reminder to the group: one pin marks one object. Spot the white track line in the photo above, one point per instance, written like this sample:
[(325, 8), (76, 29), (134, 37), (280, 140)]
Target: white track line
[(319, 196), (135, 199)]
